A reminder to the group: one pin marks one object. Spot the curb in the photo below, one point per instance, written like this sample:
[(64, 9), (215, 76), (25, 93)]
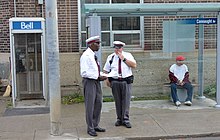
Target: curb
[(217, 134)]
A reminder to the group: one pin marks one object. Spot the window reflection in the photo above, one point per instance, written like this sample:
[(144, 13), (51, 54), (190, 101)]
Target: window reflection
[(105, 39), (115, 28), (125, 1), (129, 39), (105, 23), (126, 23), (96, 1), (83, 37), (113, 1)]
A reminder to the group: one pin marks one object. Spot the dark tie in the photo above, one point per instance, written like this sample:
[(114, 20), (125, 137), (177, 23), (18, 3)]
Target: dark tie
[(119, 69), (96, 60)]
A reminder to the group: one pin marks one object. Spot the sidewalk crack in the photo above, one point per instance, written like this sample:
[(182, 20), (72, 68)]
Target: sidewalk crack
[(158, 124), (34, 135), (77, 132)]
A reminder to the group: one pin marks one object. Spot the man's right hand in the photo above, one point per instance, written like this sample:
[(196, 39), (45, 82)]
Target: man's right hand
[(181, 83), (102, 78)]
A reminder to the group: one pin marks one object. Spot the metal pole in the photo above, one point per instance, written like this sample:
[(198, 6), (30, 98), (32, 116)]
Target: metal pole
[(53, 66), (15, 8), (200, 60), (94, 24), (218, 63)]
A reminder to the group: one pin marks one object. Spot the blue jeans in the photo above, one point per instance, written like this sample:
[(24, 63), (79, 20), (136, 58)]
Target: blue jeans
[(186, 86)]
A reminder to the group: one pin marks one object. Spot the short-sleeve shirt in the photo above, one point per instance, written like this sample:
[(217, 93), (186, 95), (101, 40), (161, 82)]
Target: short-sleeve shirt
[(179, 71), (113, 68)]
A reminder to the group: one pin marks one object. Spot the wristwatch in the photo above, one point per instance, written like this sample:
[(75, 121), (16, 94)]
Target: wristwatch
[(124, 59)]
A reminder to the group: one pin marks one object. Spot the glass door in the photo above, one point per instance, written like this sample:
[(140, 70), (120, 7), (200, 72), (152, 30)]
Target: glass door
[(28, 59)]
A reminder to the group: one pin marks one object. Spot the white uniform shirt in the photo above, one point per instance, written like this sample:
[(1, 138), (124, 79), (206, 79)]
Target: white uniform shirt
[(126, 71), (88, 66), (179, 71)]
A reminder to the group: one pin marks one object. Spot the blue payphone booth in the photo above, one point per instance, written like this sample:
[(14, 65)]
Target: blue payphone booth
[(28, 59)]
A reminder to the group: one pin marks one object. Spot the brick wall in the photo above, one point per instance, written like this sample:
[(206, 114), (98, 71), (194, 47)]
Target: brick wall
[(67, 21), (68, 25), (5, 14), (27, 8)]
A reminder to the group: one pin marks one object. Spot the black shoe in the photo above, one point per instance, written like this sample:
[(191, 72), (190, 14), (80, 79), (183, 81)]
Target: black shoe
[(92, 133), (99, 129), (118, 123), (127, 124)]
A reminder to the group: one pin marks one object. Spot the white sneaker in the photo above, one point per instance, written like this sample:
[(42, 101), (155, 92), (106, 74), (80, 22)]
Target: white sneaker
[(178, 103), (188, 103)]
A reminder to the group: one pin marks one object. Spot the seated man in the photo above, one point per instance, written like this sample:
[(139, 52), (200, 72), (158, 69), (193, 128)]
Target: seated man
[(179, 76)]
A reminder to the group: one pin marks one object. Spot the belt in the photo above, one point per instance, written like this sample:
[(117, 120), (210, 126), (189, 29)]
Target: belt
[(118, 79), (90, 79)]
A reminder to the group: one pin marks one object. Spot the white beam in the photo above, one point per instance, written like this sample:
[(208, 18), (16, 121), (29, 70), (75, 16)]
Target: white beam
[(151, 9)]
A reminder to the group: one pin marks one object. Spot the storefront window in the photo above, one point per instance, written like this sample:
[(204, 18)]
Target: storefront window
[(106, 39), (105, 23), (113, 1), (126, 29), (125, 1), (83, 39), (126, 23), (131, 40), (96, 1)]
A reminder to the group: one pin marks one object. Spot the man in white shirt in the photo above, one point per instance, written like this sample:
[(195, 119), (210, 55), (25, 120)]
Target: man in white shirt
[(90, 71), (179, 76), (119, 68)]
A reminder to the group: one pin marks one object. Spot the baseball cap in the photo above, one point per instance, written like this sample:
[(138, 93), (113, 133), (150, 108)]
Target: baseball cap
[(180, 58)]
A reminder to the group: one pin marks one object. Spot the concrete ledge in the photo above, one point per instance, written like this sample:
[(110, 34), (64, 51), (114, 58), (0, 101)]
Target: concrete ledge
[(181, 92)]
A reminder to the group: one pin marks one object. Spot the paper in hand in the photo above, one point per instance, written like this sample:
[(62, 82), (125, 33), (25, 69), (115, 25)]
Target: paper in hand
[(103, 74)]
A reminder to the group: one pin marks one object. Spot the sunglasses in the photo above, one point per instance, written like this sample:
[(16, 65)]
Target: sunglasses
[(97, 42)]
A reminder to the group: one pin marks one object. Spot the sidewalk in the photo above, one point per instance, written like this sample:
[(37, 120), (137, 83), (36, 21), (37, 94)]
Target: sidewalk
[(151, 120)]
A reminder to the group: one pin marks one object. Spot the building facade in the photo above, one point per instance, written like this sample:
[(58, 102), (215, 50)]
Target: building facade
[(72, 24), (143, 35)]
